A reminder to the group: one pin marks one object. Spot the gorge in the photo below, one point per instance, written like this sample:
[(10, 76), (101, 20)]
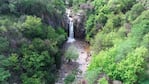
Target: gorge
[(79, 66), (74, 41)]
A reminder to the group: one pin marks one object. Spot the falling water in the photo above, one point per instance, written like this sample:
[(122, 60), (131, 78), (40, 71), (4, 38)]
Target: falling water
[(71, 29)]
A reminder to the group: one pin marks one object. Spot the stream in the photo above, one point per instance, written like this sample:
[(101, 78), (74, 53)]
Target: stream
[(81, 63)]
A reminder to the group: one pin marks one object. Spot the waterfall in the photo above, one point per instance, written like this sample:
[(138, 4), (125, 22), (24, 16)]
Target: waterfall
[(71, 29)]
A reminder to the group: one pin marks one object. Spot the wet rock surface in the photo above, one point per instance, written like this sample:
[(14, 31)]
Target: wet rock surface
[(79, 23)]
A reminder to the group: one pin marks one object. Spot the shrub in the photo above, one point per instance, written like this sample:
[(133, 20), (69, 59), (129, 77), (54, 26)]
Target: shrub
[(14, 62), (145, 41), (4, 44), (32, 27), (103, 41), (31, 80), (4, 74), (61, 36), (71, 53), (131, 65), (92, 75), (70, 78), (40, 45), (33, 61), (135, 11), (103, 81)]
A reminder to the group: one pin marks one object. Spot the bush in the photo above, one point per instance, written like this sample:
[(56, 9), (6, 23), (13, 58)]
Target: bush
[(4, 44), (103, 41), (40, 45), (103, 81), (61, 36), (31, 80), (71, 53), (135, 11), (14, 62), (92, 75), (119, 52), (133, 64), (70, 78), (145, 41), (4, 74), (32, 27), (33, 61)]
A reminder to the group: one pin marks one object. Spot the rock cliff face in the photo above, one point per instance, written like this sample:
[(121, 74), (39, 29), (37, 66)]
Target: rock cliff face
[(79, 19), (79, 22)]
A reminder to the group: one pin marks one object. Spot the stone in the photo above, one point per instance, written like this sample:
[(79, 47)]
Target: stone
[(117, 82), (79, 24)]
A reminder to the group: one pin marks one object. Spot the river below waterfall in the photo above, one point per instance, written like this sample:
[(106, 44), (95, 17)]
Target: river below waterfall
[(81, 63)]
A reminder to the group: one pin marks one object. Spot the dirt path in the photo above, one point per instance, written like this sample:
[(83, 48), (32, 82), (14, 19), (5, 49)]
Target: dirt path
[(81, 63)]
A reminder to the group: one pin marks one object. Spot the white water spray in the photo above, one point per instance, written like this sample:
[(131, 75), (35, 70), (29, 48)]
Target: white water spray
[(71, 28)]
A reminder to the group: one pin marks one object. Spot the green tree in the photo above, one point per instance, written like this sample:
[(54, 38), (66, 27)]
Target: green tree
[(34, 61), (103, 81), (136, 10), (71, 53), (32, 27), (4, 44), (4, 74), (31, 80), (70, 78)]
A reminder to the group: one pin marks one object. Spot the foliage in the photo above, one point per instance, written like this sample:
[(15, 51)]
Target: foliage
[(29, 45), (103, 81), (92, 75), (119, 50), (71, 53), (62, 35), (14, 62), (4, 44), (136, 10), (145, 41), (70, 78), (75, 3), (89, 26), (31, 80), (34, 61), (32, 27), (31, 6), (4, 74), (137, 58)]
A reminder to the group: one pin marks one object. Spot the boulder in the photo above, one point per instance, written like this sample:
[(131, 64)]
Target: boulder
[(117, 82)]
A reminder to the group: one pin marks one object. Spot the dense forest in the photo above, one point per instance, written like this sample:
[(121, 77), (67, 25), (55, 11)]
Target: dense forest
[(118, 31), (32, 34), (30, 38)]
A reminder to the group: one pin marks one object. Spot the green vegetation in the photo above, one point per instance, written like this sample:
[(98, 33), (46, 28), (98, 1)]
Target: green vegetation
[(70, 78), (71, 53), (118, 33), (29, 45), (92, 75), (32, 34), (103, 81)]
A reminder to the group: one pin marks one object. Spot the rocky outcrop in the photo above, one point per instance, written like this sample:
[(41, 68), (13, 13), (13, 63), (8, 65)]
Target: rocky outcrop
[(79, 19), (86, 6), (79, 24)]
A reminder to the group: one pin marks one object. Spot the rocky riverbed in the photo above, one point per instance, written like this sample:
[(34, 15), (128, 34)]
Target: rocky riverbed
[(80, 64)]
